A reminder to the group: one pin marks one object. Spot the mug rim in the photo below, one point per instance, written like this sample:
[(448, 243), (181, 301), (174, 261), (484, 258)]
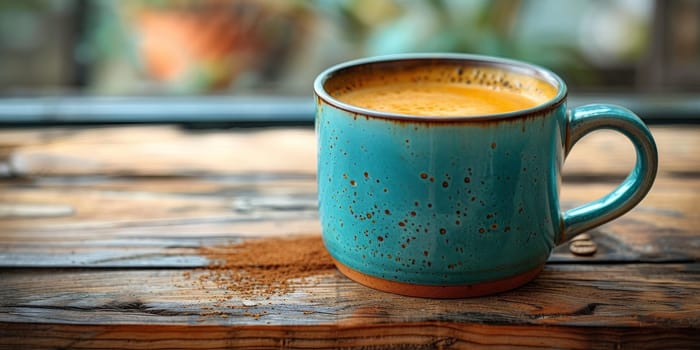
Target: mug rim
[(510, 64)]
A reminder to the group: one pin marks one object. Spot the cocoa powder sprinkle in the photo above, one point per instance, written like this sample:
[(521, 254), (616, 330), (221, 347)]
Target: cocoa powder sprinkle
[(261, 268)]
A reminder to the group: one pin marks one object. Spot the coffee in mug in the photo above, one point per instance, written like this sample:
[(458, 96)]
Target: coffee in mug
[(443, 90)]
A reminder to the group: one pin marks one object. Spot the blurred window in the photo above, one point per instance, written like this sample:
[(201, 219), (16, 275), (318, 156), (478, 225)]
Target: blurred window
[(276, 48)]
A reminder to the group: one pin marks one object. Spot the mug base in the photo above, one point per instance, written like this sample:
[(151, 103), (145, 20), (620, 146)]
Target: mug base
[(439, 291)]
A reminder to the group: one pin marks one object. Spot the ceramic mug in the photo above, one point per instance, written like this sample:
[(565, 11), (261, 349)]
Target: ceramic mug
[(461, 206)]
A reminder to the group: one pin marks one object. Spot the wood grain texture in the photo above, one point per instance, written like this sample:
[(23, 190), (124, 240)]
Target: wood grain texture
[(130, 222), (565, 295), (569, 306), (101, 233), (166, 151), (426, 335)]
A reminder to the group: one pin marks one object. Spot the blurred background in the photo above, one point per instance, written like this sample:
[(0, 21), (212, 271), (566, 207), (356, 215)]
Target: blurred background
[(255, 60)]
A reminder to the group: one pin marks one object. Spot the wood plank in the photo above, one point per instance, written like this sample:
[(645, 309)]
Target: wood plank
[(424, 335), (633, 300), (129, 222), (168, 151)]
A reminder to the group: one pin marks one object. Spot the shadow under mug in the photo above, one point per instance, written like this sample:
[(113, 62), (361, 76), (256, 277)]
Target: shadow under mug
[(459, 206)]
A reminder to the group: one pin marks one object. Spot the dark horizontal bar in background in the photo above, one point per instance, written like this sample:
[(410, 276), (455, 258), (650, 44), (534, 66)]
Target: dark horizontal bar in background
[(233, 110), (99, 110)]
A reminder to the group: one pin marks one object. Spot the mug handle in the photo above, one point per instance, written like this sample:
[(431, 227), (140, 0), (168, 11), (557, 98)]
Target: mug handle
[(581, 121)]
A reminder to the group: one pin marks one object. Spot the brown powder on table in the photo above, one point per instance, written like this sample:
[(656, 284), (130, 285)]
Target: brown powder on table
[(264, 267)]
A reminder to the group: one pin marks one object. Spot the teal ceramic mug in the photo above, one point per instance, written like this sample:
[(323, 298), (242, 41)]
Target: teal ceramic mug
[(433, 206)]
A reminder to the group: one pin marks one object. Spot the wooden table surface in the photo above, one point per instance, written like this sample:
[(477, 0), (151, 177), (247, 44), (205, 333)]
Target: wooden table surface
[(114, 237)]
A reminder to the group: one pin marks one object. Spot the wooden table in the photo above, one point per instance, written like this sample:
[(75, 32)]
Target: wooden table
[(114, 237)]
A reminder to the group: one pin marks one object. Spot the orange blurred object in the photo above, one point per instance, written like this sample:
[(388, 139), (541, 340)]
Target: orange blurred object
[(210, 44)]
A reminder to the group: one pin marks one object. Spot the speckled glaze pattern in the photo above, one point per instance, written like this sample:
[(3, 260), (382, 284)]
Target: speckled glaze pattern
[(438, 202)]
